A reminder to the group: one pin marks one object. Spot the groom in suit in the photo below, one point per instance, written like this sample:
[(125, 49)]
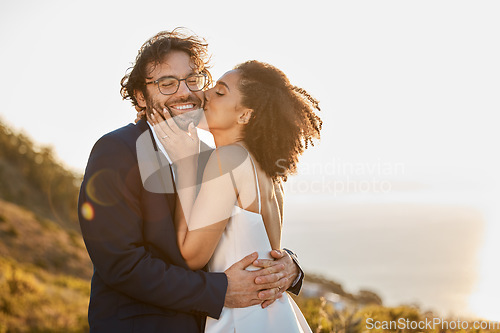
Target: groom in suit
[(127, 203)]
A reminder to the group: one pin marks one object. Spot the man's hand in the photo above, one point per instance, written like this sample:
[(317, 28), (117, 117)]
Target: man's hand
[(275, 284), (242, 290)]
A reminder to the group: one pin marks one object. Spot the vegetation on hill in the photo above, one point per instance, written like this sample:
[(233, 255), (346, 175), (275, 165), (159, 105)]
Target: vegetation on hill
[(30, 176), (324, 286), (44, 274), (44, 268), (31, 239), (324, 318), (35, 300)]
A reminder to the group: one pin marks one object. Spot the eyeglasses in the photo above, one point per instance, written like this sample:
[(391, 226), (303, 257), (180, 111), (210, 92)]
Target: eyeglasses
[(169, 85)]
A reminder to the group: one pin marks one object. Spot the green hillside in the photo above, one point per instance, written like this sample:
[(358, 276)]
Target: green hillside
[(31, 177), (37, 241), (34, 300), (44, 274), (44, 267)]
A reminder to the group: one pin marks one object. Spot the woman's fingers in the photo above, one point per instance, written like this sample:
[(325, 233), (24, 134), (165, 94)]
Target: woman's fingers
[(193, 133), (150, 119), (168, 129), (171, 122), (178, 143), (156, 128), (139, 116), (162, 129)]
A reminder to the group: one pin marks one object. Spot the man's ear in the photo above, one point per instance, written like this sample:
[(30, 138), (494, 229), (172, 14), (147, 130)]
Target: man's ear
[(245, 116), (139, 97)]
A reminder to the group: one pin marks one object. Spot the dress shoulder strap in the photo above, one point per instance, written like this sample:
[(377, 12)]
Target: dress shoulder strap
[(234, 183)]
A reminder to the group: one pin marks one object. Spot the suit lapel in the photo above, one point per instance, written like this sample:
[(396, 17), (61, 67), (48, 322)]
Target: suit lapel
[(156, 174), (157, 178)]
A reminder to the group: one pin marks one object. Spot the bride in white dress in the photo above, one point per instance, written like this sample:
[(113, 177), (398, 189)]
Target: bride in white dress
[(261, 124)]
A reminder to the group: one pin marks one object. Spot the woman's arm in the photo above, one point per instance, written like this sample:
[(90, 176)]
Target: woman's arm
[(201, 223), (278, 192), (200, 220)]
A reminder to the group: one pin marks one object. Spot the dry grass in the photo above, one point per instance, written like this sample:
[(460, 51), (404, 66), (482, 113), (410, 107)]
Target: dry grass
[(35, 240), (33, 300)]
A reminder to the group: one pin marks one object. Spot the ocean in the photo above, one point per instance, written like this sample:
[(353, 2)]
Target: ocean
[(418, 253)]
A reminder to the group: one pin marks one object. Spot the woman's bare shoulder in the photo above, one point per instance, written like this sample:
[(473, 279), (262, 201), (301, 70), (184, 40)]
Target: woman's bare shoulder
[(225, 159)]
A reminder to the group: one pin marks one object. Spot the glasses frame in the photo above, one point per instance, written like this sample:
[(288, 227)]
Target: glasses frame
[(157, 82)]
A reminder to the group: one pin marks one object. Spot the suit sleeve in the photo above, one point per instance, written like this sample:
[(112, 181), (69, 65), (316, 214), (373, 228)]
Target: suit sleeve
[(112, 226), (297, 285)]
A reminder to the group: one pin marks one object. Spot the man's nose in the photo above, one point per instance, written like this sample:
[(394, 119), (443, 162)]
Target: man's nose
[(183, 90)]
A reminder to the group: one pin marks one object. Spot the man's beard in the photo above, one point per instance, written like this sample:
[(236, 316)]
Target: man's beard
[(182, 120)]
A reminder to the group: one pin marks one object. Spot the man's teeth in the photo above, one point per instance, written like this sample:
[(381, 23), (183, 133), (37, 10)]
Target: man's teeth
[(184, 107)]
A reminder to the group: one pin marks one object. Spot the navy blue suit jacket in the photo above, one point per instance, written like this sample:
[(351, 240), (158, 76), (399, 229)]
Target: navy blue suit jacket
[(141, 282)]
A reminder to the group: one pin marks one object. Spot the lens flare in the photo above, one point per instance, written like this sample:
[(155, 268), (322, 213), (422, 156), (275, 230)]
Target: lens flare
[(97, 187), (87, 211)]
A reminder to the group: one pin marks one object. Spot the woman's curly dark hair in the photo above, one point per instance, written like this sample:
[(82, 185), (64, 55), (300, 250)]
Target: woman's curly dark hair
[(154, 51), (284, 120)]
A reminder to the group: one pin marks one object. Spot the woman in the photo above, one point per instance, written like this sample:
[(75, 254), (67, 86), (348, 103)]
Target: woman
[(261, 124)]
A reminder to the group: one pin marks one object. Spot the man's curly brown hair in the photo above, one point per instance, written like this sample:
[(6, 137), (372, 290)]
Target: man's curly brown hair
[(154, 50), (284, 120)]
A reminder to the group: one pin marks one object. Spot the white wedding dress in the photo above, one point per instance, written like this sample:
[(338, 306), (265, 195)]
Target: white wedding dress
[(246, 233)]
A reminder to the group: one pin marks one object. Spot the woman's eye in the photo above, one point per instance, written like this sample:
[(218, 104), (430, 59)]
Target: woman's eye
[(218, 93)]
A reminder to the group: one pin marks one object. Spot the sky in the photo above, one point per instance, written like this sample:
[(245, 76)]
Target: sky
[(408, 89)]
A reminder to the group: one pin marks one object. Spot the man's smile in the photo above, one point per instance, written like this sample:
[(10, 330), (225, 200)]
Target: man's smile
[(183, 107)]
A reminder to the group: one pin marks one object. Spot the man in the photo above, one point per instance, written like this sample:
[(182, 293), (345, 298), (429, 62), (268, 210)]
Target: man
[(127, 202)]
